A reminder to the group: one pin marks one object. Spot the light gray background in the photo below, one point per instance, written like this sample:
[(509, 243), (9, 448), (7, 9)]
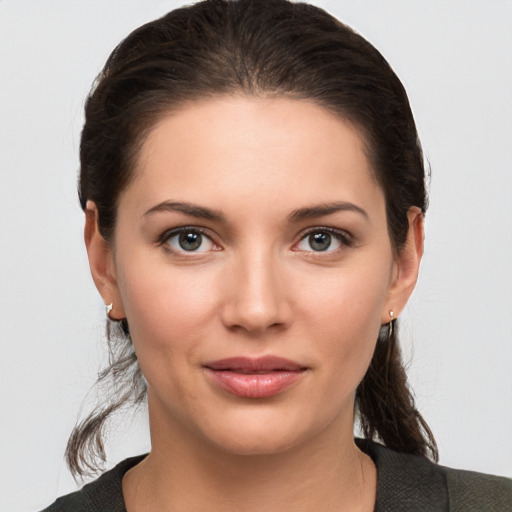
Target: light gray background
[(455, 59)]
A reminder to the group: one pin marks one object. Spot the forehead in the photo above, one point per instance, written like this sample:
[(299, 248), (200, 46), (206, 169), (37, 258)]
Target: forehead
[(217, 149)]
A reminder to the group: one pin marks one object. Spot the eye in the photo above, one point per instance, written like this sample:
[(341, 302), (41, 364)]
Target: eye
[(323, 240), (188, 240)]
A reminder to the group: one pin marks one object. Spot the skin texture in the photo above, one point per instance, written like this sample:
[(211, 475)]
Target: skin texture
[(254, 287)]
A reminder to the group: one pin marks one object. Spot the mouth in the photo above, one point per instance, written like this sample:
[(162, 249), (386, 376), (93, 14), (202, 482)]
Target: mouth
[(261, 377)]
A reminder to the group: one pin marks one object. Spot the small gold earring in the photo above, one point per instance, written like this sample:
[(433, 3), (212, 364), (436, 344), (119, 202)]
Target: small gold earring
[(391, 322)]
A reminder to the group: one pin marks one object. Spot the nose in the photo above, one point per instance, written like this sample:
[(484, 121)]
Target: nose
[(256, 295)]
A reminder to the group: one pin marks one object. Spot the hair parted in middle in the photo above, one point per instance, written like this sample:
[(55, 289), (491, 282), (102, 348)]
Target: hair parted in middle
[(262, 48)]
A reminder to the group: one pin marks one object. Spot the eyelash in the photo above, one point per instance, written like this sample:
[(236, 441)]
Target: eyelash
[(343, 237), (168, 235)]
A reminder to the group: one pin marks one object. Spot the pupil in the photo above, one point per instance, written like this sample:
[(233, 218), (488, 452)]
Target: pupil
[(190, 241), (320, 241)]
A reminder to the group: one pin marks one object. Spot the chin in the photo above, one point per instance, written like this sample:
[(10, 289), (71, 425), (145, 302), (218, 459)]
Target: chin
[(256, 444), (261, 434)]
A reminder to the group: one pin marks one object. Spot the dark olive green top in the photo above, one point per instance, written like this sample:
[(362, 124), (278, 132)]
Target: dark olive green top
[(406, 483)]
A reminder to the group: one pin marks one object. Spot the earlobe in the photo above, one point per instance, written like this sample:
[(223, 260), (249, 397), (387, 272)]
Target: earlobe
[(101, 262), (407, 266)]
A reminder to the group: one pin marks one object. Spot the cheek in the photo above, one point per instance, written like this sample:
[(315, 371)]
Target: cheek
[(166, 311), (345, 316), (350, 298)]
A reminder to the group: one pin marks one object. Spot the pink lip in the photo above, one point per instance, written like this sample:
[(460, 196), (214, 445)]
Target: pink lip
[(261, 377)]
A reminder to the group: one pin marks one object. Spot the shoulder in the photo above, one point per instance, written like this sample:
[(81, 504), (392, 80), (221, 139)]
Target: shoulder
[(468, 490), (104, 493), (408, 482)]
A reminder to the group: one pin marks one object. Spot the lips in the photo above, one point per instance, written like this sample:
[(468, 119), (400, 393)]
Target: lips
[(254, 377)]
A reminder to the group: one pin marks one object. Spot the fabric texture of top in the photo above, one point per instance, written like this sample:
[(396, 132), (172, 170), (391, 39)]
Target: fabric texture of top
[(405, 483)]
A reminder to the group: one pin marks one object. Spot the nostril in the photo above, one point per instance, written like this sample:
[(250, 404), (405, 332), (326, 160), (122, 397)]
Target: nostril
[(254, 321)]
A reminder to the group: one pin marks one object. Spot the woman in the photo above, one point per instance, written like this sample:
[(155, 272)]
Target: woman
[(254, 195)]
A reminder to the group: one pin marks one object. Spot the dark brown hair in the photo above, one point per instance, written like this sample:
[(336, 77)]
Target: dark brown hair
[(260, 48)]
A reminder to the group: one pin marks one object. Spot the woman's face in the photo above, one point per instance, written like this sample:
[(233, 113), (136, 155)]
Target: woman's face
[(252, 260)]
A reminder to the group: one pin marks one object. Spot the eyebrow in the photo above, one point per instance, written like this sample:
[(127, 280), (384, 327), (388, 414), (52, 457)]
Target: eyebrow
[(190, 209), (325, 209), (297, 215)]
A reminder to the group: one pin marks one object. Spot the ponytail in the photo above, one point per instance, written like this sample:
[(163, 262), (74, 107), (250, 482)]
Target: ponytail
[(121, 385), (386, 405)]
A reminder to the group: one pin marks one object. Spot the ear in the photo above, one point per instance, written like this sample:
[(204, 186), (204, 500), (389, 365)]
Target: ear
[(406, 267), (101, 262)]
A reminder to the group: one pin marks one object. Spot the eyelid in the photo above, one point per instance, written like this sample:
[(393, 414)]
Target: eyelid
[(344, 237), (170, 233)]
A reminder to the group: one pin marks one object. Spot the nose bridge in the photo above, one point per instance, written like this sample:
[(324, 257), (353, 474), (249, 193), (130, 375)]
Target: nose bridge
[(256, 299)]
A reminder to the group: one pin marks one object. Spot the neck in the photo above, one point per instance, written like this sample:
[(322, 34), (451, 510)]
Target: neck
[(327, 473)]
